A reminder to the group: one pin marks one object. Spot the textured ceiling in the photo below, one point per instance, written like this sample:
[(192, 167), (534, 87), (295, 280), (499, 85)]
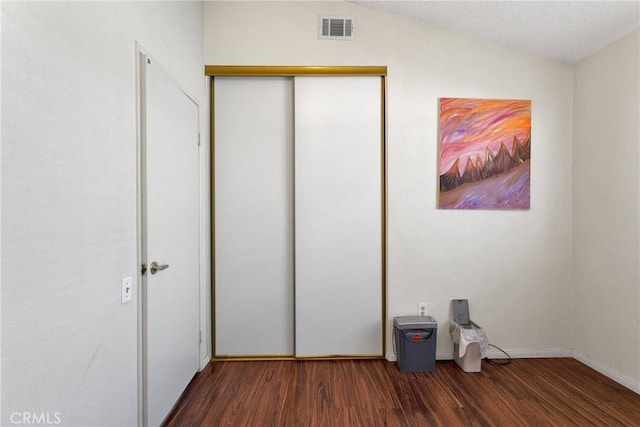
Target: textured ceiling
[(567, 31)]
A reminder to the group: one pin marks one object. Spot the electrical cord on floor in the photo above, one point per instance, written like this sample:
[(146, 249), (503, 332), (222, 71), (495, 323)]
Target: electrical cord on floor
[(496, 362)]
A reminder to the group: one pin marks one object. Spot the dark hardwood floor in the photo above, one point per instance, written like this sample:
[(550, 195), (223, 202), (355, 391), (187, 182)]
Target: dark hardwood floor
[(528, 392)]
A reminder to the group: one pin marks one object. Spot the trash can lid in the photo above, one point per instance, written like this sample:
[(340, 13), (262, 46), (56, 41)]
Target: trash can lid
[(415, 322)]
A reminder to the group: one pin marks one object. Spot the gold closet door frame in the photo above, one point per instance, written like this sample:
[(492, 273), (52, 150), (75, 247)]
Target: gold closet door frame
[(292, 71)]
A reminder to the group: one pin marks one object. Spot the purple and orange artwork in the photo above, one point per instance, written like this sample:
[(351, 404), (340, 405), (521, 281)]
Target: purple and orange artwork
[(485, 153)]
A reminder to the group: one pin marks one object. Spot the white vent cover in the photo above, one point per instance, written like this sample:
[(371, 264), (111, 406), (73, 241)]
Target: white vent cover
[(336, 27)]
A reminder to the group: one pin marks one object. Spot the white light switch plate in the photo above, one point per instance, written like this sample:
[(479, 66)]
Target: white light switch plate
[(127, 290)]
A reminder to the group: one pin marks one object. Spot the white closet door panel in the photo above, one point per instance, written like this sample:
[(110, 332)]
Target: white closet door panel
[(338, 209), (253, 216)]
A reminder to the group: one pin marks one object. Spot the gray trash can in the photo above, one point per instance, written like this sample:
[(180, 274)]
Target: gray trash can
[(415, 341)]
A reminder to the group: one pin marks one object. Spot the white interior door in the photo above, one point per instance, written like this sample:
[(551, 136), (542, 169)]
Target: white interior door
[(253, 216), (170, 237), (338, 216)]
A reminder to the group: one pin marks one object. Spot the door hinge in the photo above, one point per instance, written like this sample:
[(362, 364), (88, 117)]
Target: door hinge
[(144, 269), (198, 138), (200, 337)]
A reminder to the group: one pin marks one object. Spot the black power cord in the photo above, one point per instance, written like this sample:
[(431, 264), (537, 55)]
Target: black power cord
[(496, 362)]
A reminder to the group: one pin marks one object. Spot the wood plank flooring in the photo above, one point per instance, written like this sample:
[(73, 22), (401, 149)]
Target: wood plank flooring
[(528, 392)]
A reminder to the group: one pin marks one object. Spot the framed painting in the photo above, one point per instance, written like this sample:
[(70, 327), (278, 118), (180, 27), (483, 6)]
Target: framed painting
[(485, 153)]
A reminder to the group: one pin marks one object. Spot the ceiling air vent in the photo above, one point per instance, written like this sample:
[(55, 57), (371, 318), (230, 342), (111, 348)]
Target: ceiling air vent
[(336, 28)]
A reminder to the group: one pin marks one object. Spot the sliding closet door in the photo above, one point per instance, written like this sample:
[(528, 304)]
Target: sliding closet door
[(338, 211), (253, 216)]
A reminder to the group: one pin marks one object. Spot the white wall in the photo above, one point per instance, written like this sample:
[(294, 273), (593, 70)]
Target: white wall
[(514, 267), (69, 198), (606, 234)]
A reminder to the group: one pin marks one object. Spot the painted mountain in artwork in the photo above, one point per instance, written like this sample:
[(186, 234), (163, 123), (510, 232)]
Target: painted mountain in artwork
[(491, 165), (485, 152)]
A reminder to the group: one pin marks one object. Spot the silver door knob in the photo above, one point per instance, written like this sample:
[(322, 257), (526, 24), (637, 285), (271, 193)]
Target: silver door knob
[(154, 268)]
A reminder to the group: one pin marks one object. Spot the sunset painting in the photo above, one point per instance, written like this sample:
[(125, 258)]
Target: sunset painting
[(485, 153)]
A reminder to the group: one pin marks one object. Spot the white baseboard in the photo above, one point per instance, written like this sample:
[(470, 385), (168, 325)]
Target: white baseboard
[(492, 353), (204, 362), (608, 372), (530, 353), (515, 354)]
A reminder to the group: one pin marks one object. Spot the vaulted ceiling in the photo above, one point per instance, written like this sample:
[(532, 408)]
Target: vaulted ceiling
[(566, 31)]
